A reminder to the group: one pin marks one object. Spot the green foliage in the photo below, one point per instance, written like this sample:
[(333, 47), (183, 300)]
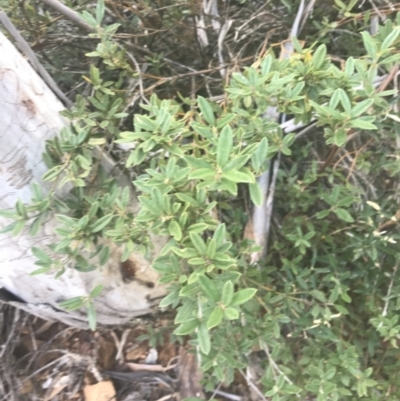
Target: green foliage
[(322, 307), (87, 302)]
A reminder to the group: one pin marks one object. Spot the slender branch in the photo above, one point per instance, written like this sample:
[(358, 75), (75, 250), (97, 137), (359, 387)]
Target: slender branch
[(230, 396), (253, 386), (304, 131), (68, 13), (140, 76), (273, 364)]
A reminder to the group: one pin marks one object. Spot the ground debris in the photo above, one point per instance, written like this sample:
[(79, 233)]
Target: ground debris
[(49, 361)]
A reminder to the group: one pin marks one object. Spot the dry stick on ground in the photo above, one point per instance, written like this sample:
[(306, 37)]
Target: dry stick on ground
[(150, 368), (120, 344)]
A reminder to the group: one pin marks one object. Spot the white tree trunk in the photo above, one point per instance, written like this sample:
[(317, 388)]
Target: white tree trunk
[(29, 114)]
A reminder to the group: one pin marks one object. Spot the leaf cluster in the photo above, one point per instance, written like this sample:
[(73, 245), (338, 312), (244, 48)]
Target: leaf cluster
[(322, 307)]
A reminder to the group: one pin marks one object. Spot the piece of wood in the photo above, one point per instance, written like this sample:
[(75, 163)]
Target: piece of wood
[(102, 391), (29, 114), (189, 376)]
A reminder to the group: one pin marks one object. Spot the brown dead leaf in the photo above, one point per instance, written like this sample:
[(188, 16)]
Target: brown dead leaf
[(102, 391), (249, 231), (27, 387)]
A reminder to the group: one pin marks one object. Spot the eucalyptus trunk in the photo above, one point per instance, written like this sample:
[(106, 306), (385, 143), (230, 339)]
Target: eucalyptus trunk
[(29, 115)]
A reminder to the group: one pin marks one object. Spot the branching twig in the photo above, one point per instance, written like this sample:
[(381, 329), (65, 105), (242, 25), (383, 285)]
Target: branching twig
[(273, 364), (253, 386), (139, 72), (120, 344)]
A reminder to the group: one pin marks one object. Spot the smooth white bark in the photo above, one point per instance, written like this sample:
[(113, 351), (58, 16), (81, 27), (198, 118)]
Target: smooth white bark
[(29, 114)]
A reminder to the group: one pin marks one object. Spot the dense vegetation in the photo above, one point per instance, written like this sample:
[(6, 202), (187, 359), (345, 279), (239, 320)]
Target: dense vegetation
[(321, 309)]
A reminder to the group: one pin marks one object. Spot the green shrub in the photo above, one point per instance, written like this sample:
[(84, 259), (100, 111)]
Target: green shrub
[(323, 305)]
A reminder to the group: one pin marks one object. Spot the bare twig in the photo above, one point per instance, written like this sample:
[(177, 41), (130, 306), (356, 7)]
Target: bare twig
[(167, 397), (95, 372), (68, 13), (32, 335), (120, 344), (304, 131), (381, 16), (139, 72), (273, 364), (230, 396), (150, 368), (253, 386), (389, 78)]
